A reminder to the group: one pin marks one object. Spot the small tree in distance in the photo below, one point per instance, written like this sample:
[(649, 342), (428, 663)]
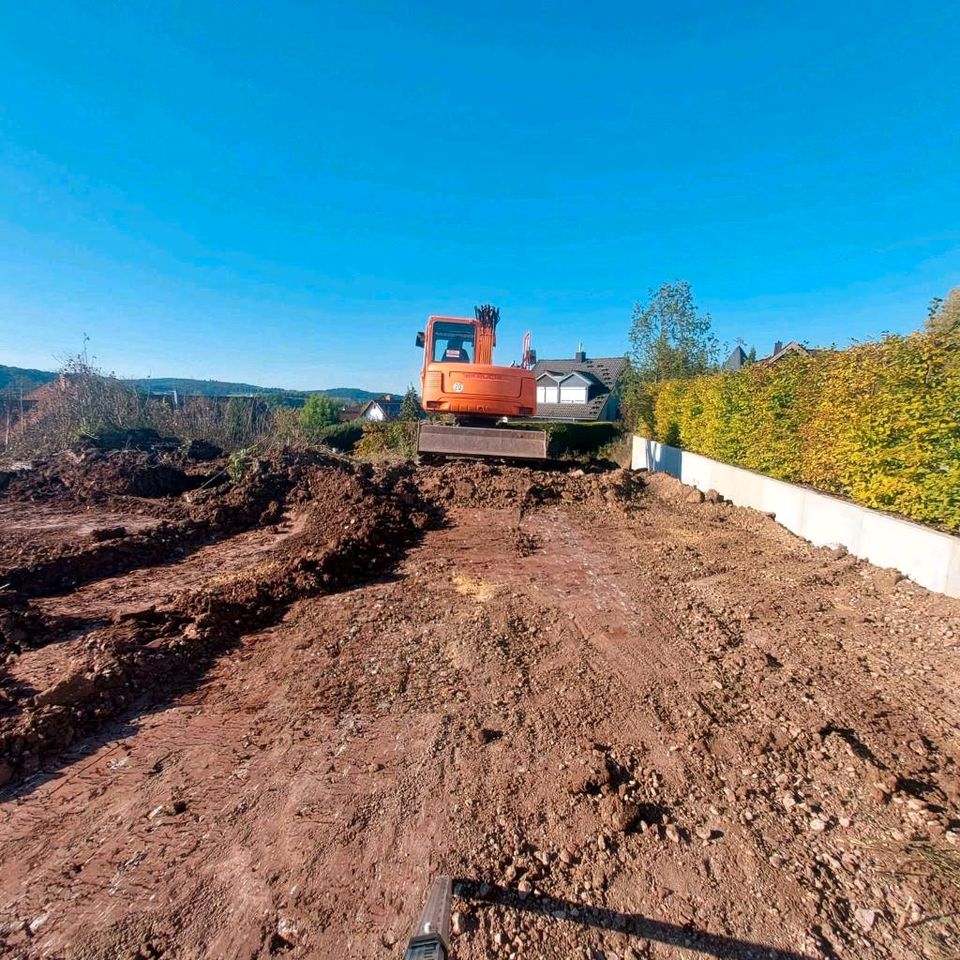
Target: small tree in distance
[(410, 408), (238, 419), (318, 412), (669, 340)]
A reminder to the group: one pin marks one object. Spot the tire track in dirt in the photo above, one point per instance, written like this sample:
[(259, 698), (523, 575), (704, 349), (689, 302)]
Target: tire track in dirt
[(610, 716), (73, 623), (353, 527), (135, 532)]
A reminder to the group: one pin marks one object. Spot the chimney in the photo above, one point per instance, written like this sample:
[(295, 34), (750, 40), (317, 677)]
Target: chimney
[(778, 346), (580, 356)]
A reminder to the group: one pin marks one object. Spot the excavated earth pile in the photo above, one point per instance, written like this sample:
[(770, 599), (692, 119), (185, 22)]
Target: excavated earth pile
[(348, 526), (255, 717), (80, 531)]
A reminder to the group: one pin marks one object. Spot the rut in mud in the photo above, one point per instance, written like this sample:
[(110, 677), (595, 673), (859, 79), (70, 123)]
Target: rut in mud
[(349, 526), (630, 725), (76, 531)]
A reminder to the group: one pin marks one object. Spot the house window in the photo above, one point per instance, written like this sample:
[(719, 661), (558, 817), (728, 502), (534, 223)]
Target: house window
[(574, 393), (548, 392)]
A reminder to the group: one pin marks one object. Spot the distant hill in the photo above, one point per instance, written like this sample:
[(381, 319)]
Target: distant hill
[(222, 388), (354, 394), (31, 379), (203, 388), (21, 376)]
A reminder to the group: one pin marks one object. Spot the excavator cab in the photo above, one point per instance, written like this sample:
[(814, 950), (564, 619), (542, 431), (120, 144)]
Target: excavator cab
[(453, 341), (460, 380)]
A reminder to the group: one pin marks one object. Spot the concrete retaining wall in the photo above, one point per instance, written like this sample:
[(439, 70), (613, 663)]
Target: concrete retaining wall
[(926, 556)]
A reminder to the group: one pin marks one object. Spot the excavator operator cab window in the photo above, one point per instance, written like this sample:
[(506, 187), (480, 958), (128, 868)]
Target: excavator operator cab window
[(452, 342)]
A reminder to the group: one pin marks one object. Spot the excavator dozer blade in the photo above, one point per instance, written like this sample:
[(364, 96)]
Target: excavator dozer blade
[(496, 442)]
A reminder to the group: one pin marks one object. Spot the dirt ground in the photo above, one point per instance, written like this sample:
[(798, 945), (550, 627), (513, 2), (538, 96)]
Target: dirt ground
[(256, 719)]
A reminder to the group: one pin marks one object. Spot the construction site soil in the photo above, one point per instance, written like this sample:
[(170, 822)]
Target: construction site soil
[(256, 716)]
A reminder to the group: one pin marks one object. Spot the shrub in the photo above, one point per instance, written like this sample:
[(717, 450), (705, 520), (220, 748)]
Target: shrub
[(81, 404), (568, 439), (239, 464), (236, 422), (343, 436), (410, 408), (397, 437), (287, 430), (944, 315), (878, 422), (318, 412)]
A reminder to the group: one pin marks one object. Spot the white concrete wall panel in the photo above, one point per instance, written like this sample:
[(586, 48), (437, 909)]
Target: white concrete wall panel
[(926, 556)]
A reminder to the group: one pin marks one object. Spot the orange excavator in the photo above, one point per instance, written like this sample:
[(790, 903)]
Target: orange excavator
[(460, 380)]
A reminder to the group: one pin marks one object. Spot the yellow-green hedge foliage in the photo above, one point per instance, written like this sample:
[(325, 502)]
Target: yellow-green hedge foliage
[(879, 423)]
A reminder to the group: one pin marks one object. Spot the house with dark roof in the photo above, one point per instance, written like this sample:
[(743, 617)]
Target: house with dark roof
[(736, 361), (579, 388), (386, 407), (739, 359), (350, 411), (781, 350)]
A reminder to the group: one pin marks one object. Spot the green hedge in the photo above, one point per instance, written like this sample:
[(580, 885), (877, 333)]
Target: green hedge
[(342, 436), (574, 439), (879, 423), (393, 437)]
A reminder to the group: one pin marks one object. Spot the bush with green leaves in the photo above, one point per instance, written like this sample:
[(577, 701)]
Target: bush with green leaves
[(343, 436), (397, 438), (318, 413), (571, 438), (877, 422), (410, 408), (238, 464)]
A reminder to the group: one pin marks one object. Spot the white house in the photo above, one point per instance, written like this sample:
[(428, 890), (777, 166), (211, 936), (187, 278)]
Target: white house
[(571, 387), (383, 408)]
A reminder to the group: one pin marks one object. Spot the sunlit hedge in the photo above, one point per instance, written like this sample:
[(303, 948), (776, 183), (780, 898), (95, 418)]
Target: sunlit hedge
[(879, 423), (393, 438), (573, 439)]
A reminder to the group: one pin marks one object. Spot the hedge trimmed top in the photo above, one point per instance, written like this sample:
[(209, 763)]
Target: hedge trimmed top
[(879, 423)]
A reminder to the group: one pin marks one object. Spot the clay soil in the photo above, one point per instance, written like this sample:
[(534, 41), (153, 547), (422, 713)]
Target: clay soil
[(256, 718)]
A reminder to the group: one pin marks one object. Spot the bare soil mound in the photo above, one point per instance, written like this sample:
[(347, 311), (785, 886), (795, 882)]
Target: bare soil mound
[(633, 722), (124, 473), (352, 527), (122, 531), (467, 483)]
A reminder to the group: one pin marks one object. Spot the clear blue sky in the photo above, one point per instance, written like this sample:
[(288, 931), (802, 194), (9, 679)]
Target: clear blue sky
[(281, 192)]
